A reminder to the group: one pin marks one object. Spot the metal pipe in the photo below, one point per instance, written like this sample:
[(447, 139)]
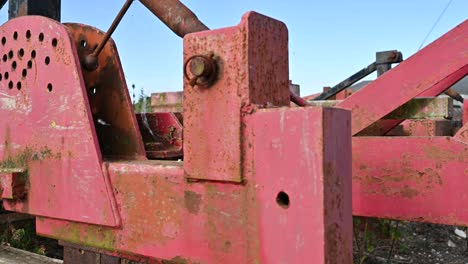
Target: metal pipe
[(454, 95), (179, 18), (298, 100)]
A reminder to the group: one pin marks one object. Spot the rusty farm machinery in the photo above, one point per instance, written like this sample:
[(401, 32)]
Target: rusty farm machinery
[(237, 173)]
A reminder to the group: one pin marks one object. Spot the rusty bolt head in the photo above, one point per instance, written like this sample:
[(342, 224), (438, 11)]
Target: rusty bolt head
[(90, 62), (202, 69)]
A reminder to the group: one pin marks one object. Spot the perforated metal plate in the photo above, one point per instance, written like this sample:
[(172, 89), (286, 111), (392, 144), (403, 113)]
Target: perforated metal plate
[(46, 126)]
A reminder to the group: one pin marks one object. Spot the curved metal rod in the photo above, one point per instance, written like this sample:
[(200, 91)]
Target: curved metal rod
[(174, 14)]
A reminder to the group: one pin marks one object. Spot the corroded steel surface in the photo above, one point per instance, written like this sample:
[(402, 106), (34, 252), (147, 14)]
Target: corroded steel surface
[(413, 77), (299, 205), (292, 203), (111, 107), (411, 178), (317, 226), (253, 71), (46, 128)]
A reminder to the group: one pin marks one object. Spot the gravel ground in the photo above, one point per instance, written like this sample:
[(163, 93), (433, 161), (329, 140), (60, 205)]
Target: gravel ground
[(417, 243)]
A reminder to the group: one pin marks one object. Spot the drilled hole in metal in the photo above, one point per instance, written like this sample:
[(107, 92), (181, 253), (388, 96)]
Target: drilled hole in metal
[(33, 54), (21, 53), (30, 64), (6, 75), (5, 58), (10, 85), (28, 34), (3, 41), (54, 42), (10, 54), (24, 73), (13, 65), (15, 35), (41, 37), (282, 199), (47, 60), (49, 87), (83, 43), (18, 85)]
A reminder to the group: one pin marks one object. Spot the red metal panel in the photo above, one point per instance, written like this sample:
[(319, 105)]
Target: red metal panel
[(46, 126), (412, 77), (416, 179), (302, 153), (253, 64)]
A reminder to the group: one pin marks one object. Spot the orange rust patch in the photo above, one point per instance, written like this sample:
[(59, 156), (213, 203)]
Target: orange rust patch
[(192, 201)]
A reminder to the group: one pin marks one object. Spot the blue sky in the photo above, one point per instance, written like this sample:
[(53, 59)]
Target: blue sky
[(328, 40)]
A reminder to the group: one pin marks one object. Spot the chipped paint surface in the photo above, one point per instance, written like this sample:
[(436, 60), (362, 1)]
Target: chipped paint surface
[(410, 178), (40, 132), (262, 206), (252, 58), (166, 217)]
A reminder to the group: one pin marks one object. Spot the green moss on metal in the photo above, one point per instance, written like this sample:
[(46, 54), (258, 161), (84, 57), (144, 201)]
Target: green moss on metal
[(22, 159), (88, 235)]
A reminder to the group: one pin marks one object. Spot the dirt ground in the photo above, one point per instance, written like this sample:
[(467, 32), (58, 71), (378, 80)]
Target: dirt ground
[(408, 242)]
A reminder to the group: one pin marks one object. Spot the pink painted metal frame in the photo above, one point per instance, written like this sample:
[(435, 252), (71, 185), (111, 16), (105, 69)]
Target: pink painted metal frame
[(411, 178), (47, 129), (287, 199)]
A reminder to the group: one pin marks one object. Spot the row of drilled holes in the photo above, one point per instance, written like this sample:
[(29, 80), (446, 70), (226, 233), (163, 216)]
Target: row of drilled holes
[(28, 36)]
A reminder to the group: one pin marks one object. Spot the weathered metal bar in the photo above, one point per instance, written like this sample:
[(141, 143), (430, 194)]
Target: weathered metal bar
[(47, 8), (348, 82), (410, 79), (298, 100), (454, 95), (383, 62), (91, 61), (179, 18), (417, 108)]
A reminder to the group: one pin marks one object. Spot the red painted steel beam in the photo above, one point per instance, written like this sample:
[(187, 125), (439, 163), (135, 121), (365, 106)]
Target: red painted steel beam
[(411, 178), (413, 77)]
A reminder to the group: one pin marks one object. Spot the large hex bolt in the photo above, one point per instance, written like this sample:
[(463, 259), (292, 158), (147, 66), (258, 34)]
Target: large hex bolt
[(203, 70)]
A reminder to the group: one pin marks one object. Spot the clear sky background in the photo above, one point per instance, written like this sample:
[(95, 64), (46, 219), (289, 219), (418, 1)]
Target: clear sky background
[(328, 40)]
